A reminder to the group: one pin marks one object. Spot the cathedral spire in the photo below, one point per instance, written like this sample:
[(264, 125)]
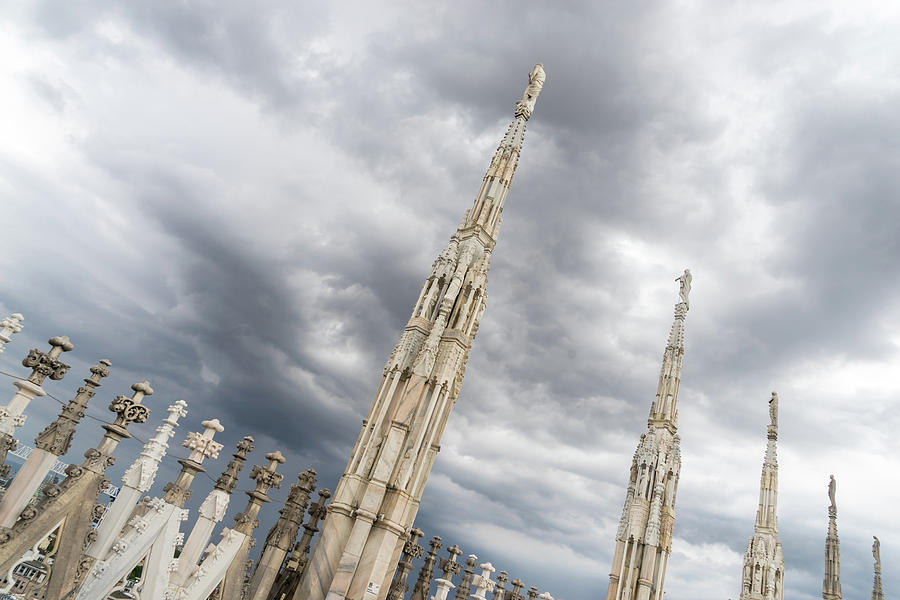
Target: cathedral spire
[(831, 586), (644, 537), (763, 573), (378, 496), (483, 219), (877, 593), (664, 410)]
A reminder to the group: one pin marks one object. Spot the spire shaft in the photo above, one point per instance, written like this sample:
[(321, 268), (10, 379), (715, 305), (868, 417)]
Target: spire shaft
[(378, 496), (763, 571), (644, 538), (831, 586)]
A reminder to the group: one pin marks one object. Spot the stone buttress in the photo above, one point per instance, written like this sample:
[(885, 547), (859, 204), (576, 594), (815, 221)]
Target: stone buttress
[(378, 495)]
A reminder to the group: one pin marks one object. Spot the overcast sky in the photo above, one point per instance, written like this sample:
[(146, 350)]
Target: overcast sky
[(239, 202)]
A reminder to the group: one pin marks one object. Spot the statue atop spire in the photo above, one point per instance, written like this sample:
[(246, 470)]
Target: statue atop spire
[(376, 501), (648, 518), (877, 593), (831, 586), (685, 287), (763, 572), (536, 79)]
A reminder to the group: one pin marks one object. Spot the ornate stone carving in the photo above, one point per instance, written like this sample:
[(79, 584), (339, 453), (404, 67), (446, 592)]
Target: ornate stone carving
[(536, 79), (228, 479), (56, 438), (46, 364)]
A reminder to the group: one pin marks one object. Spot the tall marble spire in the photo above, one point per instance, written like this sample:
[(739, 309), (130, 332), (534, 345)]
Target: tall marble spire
[(644, 537), (763, 573), (378, 495), (831, 586), (877, 594)]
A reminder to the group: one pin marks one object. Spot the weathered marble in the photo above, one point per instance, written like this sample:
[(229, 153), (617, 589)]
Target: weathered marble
[(762, 577), (154, 531), (831, 585), (211, 512), (877, 593), (378, 496), (53, 442), (42, 365), (644, 537), (281, 537), (289, 578), (74, 504)]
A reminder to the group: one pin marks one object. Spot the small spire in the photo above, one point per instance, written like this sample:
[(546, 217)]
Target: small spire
[(202, 446), (831, 586), (877, 593), (227, 481), (664, 411), (483, 220), (56, 438)]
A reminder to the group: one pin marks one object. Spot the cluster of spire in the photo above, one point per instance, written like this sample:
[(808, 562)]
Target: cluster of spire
[(91, 560), (368, 544)]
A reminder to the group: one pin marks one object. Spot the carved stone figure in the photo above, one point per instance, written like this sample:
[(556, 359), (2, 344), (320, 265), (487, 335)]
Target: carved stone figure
[(831, 491), (685, 286), (536, 80), (876, 551), (773, 409)]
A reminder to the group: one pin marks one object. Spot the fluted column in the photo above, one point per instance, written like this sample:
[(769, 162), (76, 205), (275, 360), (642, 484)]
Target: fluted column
[(42, 365)]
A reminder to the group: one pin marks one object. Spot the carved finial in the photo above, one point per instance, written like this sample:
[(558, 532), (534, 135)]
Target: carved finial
[(8, 327), (536, 79), (130, 410), (267, 477), (201, 444), (773, 410), (56, 438), (228, 479), (45, 364)]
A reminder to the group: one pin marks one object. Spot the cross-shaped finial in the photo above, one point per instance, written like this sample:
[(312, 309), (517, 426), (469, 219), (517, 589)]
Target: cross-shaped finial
[(130, 410), (45, 364), (201, 444)]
